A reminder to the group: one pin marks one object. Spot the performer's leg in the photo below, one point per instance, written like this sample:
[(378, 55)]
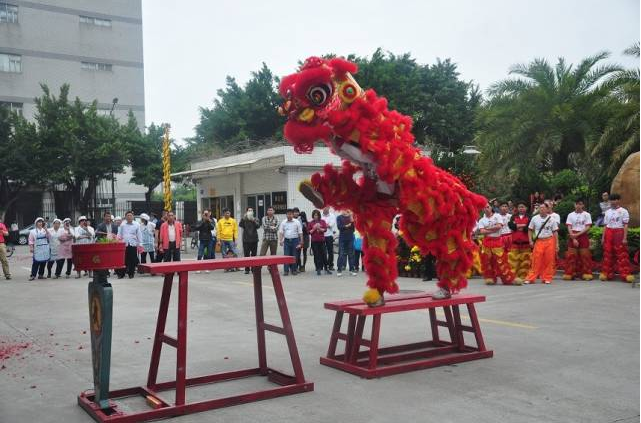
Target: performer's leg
[(570, 266), (607, 264), (535, 264), (488, 266), (585, 260), (623, 262), (548, 265), (503, 266)]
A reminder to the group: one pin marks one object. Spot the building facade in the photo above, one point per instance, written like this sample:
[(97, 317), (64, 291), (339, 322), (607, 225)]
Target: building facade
[(96, 47), (259, 179)]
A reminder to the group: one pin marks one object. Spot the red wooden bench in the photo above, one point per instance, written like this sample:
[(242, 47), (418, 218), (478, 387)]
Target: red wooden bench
[(378, 362), (162, 408)]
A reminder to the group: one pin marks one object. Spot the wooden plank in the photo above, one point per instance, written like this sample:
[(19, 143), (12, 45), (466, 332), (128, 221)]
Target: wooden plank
[(412, 304), (340, 304), (183, 266)]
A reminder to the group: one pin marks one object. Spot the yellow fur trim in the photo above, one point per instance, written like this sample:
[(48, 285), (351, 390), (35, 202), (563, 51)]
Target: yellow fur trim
[(629, 278), (371, 296), (603, 276), (567, 277), (588, 277)]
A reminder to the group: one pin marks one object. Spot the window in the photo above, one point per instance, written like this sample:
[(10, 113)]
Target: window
[(96, 66), (13, 107), (8, 13), (95, 21), (10, 63)]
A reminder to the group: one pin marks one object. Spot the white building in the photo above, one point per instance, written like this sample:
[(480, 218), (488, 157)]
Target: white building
[(258, 179)]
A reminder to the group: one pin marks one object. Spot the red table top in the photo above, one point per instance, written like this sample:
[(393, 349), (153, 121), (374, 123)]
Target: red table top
[(189, 265), (394, 303)]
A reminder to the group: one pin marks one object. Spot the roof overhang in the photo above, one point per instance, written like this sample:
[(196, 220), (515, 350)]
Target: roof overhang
[(233, 167)]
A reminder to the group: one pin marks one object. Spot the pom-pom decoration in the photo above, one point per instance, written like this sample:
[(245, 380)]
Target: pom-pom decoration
[(383, 174)]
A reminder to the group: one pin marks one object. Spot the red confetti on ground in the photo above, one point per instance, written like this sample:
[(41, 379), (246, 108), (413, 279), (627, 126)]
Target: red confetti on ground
[(10, 350)]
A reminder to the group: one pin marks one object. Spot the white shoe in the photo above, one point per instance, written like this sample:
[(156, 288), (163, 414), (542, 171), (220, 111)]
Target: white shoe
[(206, 271), (339, 274), (441, 294), (353, 273), (197, 271)]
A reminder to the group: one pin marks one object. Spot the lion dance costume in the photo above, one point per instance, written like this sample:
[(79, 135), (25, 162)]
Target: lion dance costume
[(324, 103), (615, 252), (578, 258)]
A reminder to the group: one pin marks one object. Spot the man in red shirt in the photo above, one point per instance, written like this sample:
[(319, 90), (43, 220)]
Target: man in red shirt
[(520, 251), (3, 251)]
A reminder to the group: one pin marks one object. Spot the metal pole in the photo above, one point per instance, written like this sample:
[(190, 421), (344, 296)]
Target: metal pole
[(113, 179)]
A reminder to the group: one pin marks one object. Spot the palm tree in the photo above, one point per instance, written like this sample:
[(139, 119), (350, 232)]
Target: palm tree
[(543, 119), (621, 135)]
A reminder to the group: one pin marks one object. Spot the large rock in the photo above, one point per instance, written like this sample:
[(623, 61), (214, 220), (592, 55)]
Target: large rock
[(626, 183)]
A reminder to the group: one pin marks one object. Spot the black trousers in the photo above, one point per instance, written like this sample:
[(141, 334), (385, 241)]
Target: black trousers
[(38, 267), (320, 255), (358, 256), (329, 246), (429, 267), (172, 253), (131, 261), (59, 264), (250, 249), (143, 257)]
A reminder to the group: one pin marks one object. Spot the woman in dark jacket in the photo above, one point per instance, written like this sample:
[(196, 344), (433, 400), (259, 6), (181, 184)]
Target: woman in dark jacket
[(250, 225)]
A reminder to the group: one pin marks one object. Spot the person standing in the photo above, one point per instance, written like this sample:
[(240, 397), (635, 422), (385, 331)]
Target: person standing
[(505, 232), (604, 206), (163, 218), (64, 250), (84, 234), (358, 251), (170, 238), (317, 228), (520, 253), (206, 238), (493, 257), (250, 225), (129, 231), (345, 224), (291, 238), (107, 228), (543, 233), (39, 248), (55, 233), (615, 242), (227, 230), (270, 233), (148, 233), (578, 259), (4, 233), (303, 221), (330, 220)]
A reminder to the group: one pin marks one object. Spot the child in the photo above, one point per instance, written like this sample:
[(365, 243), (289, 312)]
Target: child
[(578, 259), (615, 242), (543, 233)]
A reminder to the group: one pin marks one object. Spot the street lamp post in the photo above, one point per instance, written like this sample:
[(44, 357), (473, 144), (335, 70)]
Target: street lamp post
[(113, 179)]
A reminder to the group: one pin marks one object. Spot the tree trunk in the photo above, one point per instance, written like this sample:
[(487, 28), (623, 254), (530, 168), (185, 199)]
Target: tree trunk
[(150, 190)]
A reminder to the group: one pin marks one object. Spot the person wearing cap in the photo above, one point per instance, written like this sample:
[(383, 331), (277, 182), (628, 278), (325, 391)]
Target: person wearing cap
[(55, 233), (39, 247), (148, 231), (3, 251), (129, 232), (84, 234), (64, 250), (107, 228)]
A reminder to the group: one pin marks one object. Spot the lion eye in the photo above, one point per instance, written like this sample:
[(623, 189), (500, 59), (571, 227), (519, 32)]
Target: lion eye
[(319, 94)]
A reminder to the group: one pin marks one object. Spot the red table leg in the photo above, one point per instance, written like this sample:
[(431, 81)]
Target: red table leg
[(260, 320), (181, 355), (477, 328), (358, 336), (160, 330), (287, 324), (460, 341), (373, 347), (333, 340), (434, 326)]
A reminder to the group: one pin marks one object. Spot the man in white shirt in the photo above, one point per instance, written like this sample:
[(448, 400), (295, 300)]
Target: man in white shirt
[(615, 242), (506, 232), (578, 259), (129, 232), (330, 220), (494, 256), (291, 238), (543, 233)]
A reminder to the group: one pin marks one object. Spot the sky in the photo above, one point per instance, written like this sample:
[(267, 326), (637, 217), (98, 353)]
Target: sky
[(192, 45)]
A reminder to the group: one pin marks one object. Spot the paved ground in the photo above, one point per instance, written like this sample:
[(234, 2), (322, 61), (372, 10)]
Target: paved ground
[(568, 352)]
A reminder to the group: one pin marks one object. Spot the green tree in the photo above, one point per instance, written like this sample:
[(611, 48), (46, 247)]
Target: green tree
[(145, 158), (242, 113), (543, 120), (21, 155), (79, 146), (442, 106), (621, 135)]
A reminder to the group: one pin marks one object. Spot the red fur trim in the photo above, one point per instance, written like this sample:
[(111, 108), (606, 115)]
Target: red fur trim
[(341, 66)]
